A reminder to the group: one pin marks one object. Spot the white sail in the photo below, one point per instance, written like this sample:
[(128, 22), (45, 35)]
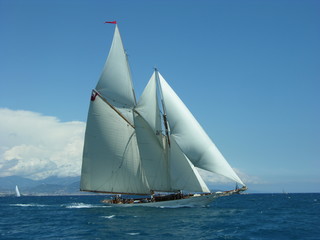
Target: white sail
[(153, 157), (191, 137), (111, 161), (17, 191), (148, 106), (115, 82), (183, 175), (166, 167), (149, 137)]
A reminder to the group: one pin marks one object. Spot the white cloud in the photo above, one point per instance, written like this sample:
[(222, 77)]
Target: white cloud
[(37, 146)]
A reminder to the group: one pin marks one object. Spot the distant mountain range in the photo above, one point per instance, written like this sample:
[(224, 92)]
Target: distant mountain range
[(54, 186), (48, 186)]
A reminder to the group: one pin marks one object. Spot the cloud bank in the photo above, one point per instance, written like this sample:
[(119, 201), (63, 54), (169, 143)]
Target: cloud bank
[(37, 146)]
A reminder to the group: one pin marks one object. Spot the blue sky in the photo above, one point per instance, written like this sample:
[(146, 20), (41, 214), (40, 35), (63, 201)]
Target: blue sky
[(249, 71)]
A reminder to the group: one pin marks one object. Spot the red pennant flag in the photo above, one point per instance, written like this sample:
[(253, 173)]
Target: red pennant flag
[(94, 95), (113, 22)]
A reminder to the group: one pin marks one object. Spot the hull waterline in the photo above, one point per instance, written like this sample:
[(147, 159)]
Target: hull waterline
[(194, 201)]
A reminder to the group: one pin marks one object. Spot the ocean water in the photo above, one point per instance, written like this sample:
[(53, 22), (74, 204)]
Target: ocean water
[(251, 216)]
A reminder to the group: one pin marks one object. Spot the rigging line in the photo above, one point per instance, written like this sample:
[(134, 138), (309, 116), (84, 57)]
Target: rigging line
[(117, 111)]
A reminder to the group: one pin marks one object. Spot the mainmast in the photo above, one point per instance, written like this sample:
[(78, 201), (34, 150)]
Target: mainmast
[(165, 121)]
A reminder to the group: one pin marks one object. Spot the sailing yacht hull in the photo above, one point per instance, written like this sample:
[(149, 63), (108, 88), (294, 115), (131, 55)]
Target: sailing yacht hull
[(194, 201)]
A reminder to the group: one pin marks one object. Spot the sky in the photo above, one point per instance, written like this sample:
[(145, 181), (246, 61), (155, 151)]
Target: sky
[(249, 71)]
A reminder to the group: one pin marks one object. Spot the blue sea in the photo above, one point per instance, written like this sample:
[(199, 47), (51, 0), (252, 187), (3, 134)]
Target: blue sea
[(251, 216)]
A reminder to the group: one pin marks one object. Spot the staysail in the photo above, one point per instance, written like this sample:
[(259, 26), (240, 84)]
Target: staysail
[(150, 140), (166, 166)]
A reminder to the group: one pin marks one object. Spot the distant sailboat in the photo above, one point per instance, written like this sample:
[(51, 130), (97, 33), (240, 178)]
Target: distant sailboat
[(17, 192), (146, 147)]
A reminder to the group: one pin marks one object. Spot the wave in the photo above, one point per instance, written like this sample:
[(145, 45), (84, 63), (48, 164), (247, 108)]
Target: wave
[(28, 205), (84, 205), (109, 217), (133, 234), (178, 206)]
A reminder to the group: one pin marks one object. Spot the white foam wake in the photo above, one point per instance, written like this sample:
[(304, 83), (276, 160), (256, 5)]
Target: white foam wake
[(84, 205)]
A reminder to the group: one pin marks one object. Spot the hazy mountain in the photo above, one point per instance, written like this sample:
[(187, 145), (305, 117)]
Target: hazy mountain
[(51, 185)]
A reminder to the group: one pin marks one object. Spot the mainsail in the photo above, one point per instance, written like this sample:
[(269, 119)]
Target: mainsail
[(154, 144), (111, 160)]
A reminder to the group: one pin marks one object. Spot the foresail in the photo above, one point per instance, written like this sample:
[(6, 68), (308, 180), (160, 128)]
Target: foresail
[(183, 175), (191, 138), (115, 82), (166, 167), (150, 140), (111, 161), (148, 106), (153, 156)]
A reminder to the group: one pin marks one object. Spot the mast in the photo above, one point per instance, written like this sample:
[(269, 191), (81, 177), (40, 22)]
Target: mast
[(165, 121), (166, 126)]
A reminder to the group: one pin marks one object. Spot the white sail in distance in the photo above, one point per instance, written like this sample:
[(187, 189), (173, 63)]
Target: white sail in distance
[(17, 191)]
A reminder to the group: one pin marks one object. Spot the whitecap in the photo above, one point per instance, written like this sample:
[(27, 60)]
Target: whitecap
[(133, 233), (109, 217), (83, 205), (79, 205), (28, 205), (178, 206)]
